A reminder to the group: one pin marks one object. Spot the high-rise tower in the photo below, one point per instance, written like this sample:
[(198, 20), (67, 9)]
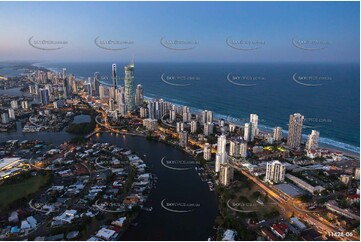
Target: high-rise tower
[(114, 78), (221, 155), (129, 87), (96, 83), (295, 131), (139, 95)]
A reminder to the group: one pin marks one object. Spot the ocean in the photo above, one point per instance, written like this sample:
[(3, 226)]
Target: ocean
[(327, 94)]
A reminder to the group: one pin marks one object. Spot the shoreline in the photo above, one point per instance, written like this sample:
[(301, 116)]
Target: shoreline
[(350, 152)]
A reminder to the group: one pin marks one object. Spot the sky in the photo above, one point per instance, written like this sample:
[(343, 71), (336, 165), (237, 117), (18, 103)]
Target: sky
[(205, 31)]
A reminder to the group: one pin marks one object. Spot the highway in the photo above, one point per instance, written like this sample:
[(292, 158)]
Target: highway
[(321, 224)]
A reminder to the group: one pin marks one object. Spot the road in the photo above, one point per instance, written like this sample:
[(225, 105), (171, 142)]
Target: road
[(290, 208)]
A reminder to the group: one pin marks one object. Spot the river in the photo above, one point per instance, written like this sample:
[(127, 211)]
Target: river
[(180, 190), (173, 186)]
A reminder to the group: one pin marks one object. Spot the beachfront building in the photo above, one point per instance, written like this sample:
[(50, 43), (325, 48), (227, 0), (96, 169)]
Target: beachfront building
[(277, 134), (295, 131), (312, 141)]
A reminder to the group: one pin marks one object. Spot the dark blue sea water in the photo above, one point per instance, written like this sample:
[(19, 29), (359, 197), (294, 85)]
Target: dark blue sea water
[(330, 106)]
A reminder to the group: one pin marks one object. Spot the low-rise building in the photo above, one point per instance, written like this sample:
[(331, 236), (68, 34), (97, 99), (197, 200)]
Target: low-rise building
[(150, 124), (296, 222), (229, 235), (304, 185), (106, 234), (332, 206)]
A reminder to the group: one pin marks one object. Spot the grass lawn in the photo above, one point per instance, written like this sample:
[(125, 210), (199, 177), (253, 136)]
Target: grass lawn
[(247, 193), (13, 192)]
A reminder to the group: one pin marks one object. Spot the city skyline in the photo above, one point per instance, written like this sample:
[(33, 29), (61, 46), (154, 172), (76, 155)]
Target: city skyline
[(180, 121)]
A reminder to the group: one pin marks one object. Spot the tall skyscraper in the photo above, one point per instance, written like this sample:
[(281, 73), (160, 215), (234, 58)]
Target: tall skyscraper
[(129, 87), (234, 148), (247, 132), (207, 117), (97, 83), (139, 95), (275, 172), (151, 109), (295, 131), (111, 92), (88, 88), (44, 96), (101, 91), (193, 126), (254, 121), (74, 87), (221, 155), (180, 127), (64, 73), (172, 115), (203, 119), (226, 174), (312, 142), (187, 115), (277, 134), (143, 112), (207, 151), (243, 149), (114, 79), (121, 102), (65, 89), (208, 129), (183, 138)]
